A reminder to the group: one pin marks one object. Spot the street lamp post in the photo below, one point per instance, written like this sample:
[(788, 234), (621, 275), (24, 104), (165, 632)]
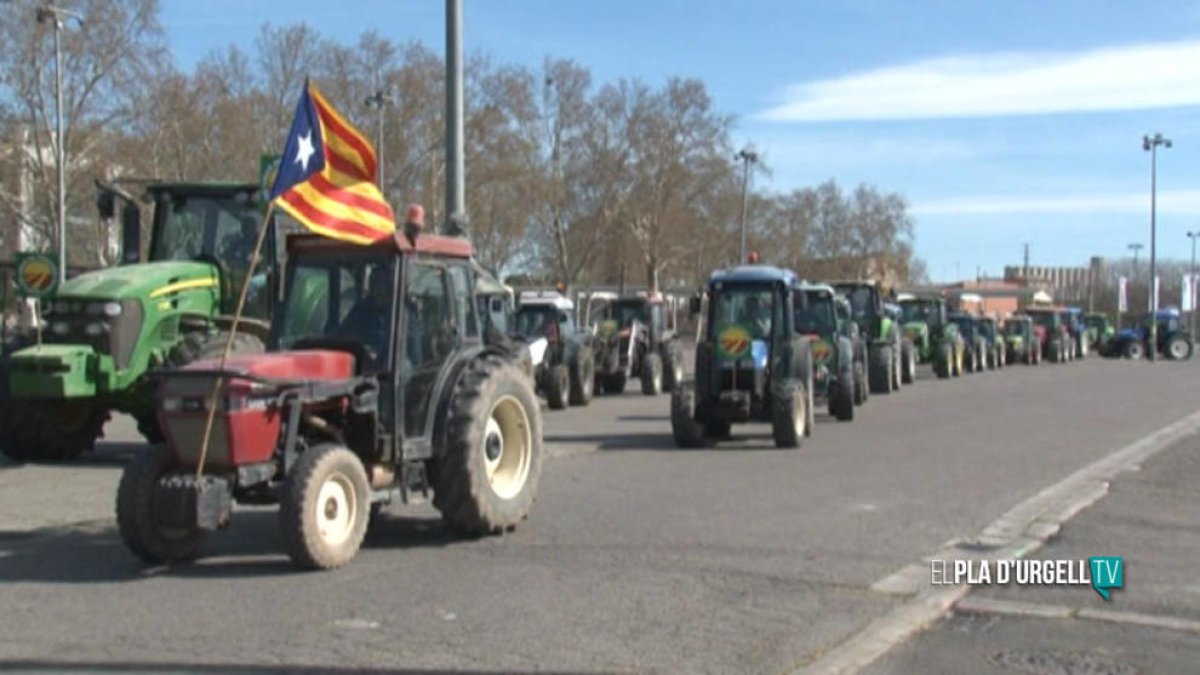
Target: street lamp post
[(748, 157), (1192, 284), (57, 15), (379, 101), (1150, 144)]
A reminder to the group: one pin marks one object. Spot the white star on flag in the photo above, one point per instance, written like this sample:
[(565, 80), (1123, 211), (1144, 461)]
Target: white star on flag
[(305, 150)]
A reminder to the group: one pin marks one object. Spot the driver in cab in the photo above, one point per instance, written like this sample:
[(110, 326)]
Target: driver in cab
[(367, 320)]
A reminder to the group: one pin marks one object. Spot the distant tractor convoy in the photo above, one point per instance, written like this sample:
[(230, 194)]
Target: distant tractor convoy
[(362, 375)]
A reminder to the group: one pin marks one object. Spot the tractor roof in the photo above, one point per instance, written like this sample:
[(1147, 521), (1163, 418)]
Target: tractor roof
[(808, 287), (486, 284), (873, 283), (211, 189), (753, 274), (433, 244), (545, 299)]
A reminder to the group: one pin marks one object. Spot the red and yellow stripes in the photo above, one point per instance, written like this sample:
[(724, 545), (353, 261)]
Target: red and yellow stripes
[(341, 201)]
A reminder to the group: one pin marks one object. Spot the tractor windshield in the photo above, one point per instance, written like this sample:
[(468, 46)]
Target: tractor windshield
[(752, 307), (862, 301), (922, 311), (987, 329), (817, 316), (625, 312), (1045, 319), (966, 325), (217, 227), (1020, 328), (535, 322), (340, 296)]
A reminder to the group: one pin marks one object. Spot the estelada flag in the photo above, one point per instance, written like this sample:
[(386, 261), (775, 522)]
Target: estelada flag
[(326, 177)]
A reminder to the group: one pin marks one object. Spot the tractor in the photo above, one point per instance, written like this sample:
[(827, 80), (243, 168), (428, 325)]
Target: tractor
[(751, 364), (1023, 339), (1099, 329), (1057, 343), (1174, 341), (891, 357), (386, 392), (995, 352), (977, 346), (107, 330), (849, 327), (566, 371), (836, 372), (635, 339), (937, 339)]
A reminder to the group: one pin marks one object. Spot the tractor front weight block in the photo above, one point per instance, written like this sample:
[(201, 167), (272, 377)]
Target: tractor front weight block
[(184, 502)]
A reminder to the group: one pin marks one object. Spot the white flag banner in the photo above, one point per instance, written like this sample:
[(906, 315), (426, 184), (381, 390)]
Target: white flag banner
[(1122, 301), (1186, 299)]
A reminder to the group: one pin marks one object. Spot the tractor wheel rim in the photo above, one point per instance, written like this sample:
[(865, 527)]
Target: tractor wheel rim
[(337, 509), (1178, 350), (799, 415), (507, 447)]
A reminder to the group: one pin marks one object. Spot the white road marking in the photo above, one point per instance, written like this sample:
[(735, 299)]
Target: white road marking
[(982, 605)]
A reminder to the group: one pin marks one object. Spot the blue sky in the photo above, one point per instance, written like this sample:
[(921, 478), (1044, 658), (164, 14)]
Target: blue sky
[(1002, 122)]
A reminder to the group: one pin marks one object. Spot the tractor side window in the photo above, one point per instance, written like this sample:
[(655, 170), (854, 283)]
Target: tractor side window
[(430, 338), (309, 311), (462, 296)]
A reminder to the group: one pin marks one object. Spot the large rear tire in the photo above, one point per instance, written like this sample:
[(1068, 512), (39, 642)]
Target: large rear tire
[(860, 383), (672, 365), (943, 362), (687, 432), (1179, 348), (908, 357), (652, 374), (486, 479), (880, 369), (558, 381), (841, 400), (142, 535), (52, 430), (789, 414), (1135, 349), (325, 507), (583, 376)]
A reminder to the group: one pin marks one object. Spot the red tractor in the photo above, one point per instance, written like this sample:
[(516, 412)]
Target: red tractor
[(378, 386)]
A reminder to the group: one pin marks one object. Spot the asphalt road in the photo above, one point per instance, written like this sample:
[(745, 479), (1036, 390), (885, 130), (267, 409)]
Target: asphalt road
[(638, 556)]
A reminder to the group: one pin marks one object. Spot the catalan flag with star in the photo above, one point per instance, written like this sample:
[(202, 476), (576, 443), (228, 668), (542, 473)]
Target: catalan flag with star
[(326, 177)]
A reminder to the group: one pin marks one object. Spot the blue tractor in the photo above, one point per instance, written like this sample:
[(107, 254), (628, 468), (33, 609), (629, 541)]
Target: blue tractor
[(1174, 341), (751, 364)]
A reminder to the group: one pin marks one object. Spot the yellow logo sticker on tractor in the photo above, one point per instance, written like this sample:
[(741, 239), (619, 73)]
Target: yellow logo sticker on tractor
[(820, 350), (733, 342)]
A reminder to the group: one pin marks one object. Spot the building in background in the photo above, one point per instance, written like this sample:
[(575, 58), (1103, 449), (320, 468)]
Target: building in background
[(1068, 285)]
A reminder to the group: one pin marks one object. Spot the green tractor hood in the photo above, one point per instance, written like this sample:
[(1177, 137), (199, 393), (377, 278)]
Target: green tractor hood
[(148, 281)]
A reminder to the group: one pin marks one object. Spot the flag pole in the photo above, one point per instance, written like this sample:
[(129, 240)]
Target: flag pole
[(211, 406)]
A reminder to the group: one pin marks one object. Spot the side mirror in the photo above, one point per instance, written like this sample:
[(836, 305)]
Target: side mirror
[(131, 234)]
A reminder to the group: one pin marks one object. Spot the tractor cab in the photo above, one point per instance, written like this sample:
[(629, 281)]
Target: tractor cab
[(966, 325), (892, 357), (377, 373), (1099, 329), (1053, 332), (547, 315), (937, 338), (751, 364), (817, 309)]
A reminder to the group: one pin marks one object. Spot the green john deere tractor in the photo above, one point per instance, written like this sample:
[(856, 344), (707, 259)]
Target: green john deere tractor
[(107, 330), (937, 339), (891, 358)]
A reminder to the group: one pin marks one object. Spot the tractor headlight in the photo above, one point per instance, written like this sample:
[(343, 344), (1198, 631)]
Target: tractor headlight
[(170, 404), (109, 309), (96, 328), (61, 307), (60, 328)]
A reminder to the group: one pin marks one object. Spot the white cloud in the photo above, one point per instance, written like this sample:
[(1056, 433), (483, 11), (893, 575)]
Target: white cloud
[(1119, 78), (1134, 203)]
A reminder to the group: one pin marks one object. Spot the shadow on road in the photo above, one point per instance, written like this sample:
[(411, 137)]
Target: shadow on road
[(250, 547), (107, 455)]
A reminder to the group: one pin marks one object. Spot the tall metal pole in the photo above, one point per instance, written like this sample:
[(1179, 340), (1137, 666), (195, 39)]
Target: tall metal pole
[(1151, 143), (748, 156), (56, 15), (1192, 285), (456, 210), (380, 100)]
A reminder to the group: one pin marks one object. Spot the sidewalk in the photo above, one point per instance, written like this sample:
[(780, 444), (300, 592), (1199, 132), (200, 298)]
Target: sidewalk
[(1152, 519)]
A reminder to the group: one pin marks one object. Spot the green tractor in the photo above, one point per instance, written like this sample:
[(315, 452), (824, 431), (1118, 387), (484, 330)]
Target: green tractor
[(937, 339), (1099, 330), (836, 372), (107, 330), (891, 358), (751, 364)]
